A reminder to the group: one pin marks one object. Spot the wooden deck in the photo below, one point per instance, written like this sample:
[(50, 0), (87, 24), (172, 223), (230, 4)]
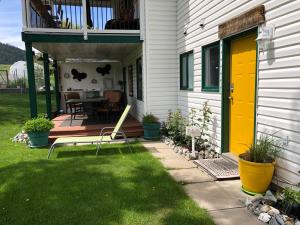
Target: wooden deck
[(63, 128)]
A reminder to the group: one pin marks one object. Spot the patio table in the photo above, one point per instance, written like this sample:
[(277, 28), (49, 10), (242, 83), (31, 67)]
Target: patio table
[(87, 104), (88, 100)]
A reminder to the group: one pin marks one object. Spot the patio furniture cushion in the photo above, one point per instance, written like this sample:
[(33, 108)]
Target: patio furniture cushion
[(88, 139)]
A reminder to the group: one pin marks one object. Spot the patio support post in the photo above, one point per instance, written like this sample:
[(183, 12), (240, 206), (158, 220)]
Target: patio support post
[(47, 85), (57, 94), (31, 80)]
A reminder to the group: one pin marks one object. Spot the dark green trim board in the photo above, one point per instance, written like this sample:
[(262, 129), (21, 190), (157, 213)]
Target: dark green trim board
[(139, 79), (78, 38), (56, 79), (225, 94), (47, 85), (31, 80), (205, 87), (256, 85), (225, 108), (189, 71)]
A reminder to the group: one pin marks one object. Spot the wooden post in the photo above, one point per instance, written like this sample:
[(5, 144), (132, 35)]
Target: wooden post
[(31, 80), (47, 85), (57, 94)]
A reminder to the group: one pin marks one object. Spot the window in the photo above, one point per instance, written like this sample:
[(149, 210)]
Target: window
[(210, 67), (187, 71), (139, 79)]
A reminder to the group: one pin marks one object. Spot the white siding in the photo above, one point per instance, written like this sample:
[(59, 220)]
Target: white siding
[(161, 58), (278, 69), (137, 110)]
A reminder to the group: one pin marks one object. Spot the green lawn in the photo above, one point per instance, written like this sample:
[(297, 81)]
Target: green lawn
[(75, 187)]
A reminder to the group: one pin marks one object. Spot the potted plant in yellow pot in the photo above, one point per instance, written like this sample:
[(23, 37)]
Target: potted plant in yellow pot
[(256, 166)]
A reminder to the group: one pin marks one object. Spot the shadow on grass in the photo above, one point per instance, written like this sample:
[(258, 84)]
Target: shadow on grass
[(113, 188), (81, 152)]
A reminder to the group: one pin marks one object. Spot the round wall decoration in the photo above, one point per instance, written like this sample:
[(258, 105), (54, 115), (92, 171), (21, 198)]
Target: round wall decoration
[(94, 81), (67, 75)]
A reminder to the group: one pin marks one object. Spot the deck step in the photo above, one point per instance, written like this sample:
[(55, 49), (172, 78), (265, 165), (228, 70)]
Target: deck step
[(131, 126)]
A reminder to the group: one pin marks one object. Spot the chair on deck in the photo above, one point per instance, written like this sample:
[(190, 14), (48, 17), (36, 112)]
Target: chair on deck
[(112, 103), (104, 137), (74, 108)]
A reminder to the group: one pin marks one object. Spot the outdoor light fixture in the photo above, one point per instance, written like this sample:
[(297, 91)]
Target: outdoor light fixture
[(264, 37)]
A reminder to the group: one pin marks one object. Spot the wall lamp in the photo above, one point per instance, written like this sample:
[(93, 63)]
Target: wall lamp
[(265, 37)]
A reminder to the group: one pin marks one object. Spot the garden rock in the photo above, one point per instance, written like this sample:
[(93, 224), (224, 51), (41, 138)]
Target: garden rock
[(265, 209), (273, 211), (269, 197), (265, 217), (20, 137), (276, 220)]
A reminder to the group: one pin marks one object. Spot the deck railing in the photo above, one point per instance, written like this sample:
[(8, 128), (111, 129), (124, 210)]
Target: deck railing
[(80, 14)]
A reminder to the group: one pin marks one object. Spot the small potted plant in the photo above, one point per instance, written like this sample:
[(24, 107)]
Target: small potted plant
[(256, 166), (151, 127), (38, 131)]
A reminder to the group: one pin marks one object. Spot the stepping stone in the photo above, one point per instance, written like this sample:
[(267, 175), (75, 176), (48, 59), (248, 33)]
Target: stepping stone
[(212, 196), (188, 176), (179, 163), (166, 155), (234, 216)]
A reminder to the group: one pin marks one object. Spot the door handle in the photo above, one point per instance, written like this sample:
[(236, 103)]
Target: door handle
[(231, 87)]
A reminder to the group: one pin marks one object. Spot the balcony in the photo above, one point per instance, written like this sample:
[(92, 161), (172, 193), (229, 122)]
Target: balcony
[(89, 16)]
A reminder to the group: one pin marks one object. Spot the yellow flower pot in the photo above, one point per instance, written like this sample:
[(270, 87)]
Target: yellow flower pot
[(255, 177)]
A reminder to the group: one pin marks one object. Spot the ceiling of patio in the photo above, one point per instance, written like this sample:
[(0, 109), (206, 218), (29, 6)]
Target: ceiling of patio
[(86, 51)]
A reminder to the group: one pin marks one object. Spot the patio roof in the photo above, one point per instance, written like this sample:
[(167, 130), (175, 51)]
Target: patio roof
[(86, 51), (73, 46)]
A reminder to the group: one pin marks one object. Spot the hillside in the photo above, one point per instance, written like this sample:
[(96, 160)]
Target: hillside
[(10, 54)]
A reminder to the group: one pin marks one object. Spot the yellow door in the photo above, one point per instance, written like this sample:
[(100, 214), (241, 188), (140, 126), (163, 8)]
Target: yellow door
[(242, 93)]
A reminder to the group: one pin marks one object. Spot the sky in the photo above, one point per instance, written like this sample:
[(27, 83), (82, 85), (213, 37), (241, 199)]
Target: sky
[(11, 22)]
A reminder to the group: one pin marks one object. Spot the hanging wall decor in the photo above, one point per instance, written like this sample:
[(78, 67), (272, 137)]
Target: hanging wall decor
[(104, 70), (67, 75), (94, 81), (77, 75)]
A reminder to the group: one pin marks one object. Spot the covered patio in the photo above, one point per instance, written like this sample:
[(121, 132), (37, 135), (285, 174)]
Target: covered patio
[(89, 68)]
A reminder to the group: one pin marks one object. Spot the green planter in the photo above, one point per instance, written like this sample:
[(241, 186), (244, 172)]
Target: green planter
[(38, 139), (151, 131)]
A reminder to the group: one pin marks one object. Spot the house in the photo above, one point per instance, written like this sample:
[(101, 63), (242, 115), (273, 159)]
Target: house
[(240, 56)]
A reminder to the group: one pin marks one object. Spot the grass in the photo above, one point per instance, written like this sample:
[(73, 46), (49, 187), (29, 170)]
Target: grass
[(75, 187), (4, 67)]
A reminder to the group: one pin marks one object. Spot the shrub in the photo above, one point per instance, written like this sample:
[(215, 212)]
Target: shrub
[(175, 126), (149, 118), (39, 124), (200, 118), (291, 196), (291, 201), (266, 150)]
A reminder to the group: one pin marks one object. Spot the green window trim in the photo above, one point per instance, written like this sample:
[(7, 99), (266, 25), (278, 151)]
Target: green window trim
[(139, 79), (189, 72), (207, 88)]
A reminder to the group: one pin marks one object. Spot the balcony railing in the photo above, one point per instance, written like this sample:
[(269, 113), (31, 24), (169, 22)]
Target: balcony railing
[(81, 14)]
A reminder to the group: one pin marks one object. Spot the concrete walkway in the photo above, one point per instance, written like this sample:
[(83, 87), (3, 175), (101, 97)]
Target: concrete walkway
[(223, 200)]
